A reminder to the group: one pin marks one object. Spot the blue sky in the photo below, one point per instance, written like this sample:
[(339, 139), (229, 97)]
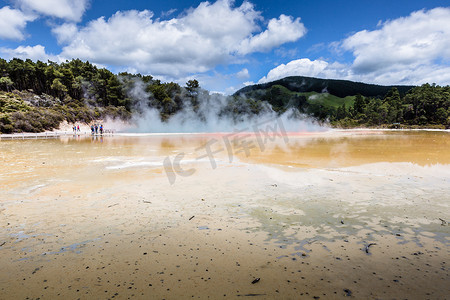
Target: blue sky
[(227, 44)]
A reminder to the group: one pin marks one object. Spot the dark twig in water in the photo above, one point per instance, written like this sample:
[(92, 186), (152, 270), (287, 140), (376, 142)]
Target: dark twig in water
[(444, 223), (367, 247), (2, 244), (191, 218), (347, 292), (146, 202), (113, 205), (256, 280)]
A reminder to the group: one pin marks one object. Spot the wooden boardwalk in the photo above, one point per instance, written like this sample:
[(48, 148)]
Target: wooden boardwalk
[(50, 135)]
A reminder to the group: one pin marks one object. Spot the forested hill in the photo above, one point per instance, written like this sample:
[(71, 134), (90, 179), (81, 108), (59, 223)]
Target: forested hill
[(339, 88), (38, 96), (344, 103)]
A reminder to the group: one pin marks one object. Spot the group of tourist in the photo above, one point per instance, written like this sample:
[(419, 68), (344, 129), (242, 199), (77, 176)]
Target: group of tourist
[(96, 128)]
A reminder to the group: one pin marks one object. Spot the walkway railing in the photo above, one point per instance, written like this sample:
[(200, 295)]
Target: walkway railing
[(49, 135)]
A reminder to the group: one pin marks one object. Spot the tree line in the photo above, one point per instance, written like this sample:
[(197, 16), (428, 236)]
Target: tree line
[(427, 105), (423, 105), (38, 96), (339, 88), (80, 91)]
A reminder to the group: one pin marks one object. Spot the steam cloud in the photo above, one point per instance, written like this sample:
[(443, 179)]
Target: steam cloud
[(209, 116)]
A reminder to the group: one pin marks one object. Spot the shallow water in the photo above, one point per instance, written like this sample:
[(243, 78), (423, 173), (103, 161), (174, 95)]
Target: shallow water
[(173, 216)]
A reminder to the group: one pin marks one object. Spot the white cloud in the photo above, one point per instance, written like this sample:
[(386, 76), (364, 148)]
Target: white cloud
[(279, 31), (197, 41), (419, 39), (409, 50), (415, 74), (12, 23), (243, 74), (32, 52), (165, 14), (65, 32), (305, 67), (64, 9)]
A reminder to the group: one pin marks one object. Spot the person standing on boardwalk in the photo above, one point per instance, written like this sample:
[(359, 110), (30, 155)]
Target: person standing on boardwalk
[(101, 128), (92, 129), (96, 128)]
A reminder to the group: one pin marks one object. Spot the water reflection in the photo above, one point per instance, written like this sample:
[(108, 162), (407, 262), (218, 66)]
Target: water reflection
[(321, 150)]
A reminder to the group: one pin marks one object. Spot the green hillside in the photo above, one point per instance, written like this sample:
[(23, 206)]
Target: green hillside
[(320, 105), (328, 100), (340, 88), (345, 103)]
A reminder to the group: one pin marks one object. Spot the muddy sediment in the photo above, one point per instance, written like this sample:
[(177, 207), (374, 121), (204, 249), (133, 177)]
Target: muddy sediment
[(90, 219)]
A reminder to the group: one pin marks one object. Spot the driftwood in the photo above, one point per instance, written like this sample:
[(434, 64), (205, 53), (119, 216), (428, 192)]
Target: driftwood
[(256, 280), (347, 292), (367, 247)]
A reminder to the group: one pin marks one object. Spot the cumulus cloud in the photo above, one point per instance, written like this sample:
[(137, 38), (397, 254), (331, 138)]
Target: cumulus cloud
[(306, 67), (415, 74), (65, 32), (64, 9), (13, 22), (243, 74), (28, 52), (279, 31), (408, 50), (420, 38), (196, 41)]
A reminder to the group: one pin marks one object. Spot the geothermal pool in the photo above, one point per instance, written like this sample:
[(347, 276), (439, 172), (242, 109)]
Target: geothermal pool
[(283, 216)]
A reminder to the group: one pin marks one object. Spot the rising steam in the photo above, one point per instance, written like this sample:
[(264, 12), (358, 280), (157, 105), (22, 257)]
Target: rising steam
[(212, 114)]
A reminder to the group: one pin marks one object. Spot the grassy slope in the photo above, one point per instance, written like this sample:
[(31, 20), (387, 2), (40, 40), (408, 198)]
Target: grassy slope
[(328, 100), (325, 99), (10, 102)]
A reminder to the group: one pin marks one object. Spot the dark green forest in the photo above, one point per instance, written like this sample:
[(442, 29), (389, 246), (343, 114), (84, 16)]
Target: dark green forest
[(426, 106), (38, 96), (350, 104), (339, 88)]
